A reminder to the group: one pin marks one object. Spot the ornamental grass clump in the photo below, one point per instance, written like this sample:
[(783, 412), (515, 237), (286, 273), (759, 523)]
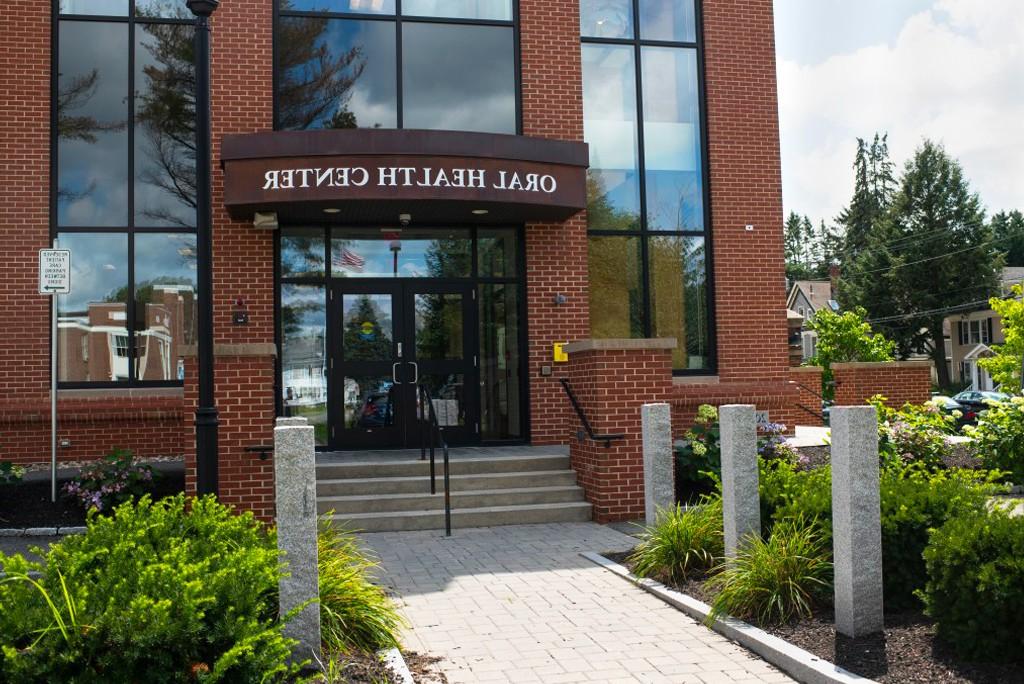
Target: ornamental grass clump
[(355, 614), (179, 590), (775, 580), (682, 541)]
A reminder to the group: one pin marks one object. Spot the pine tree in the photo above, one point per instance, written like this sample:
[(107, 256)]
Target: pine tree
[(939, 251), (1008, 235), (796, 267)]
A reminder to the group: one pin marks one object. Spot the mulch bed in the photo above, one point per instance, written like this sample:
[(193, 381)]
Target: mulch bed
[(907, 652), (27, 504), (367, 668)]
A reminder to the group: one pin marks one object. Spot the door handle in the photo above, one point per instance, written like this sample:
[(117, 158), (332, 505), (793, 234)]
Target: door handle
[(416, 371), (394, 373)]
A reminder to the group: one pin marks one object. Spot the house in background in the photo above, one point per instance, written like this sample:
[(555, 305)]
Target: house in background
[(806, 298), (972, 334)]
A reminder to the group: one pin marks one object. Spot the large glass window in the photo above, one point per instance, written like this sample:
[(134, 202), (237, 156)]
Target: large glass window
[(357, 64), (304, 357), (125, 177), (647, 186)]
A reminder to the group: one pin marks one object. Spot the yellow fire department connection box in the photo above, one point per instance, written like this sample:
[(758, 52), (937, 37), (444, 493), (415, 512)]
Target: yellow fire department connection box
[(560, 355)]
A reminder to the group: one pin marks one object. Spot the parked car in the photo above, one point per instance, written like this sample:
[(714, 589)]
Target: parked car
[(975, 402), (950, 406)]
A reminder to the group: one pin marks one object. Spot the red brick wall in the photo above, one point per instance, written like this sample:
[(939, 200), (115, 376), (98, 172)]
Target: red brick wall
[(246, 419), (808, 385), (556, 254), (24, 199), (746, 189), (899, 382), (611, 386), (779, 400), (148, 425)]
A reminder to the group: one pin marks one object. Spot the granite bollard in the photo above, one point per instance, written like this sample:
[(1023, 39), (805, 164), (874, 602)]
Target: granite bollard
[(659, 461), (295, 483), (856, 521), (741, 500)]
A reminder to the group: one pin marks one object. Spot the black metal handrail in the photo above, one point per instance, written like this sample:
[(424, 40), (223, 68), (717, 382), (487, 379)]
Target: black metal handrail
[(430, 430), (607, 439)]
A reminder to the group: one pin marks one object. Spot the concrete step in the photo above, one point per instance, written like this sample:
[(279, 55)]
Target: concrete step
[(459, 483), (337, 470), (491, 516), (486, 498)]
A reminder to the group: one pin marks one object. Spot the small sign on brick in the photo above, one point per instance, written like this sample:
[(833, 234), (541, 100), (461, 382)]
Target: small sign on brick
[(54, 271)]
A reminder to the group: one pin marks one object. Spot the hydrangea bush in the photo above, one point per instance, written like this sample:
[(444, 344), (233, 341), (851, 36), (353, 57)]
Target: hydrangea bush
[(113, 480), (999, 438), (913, 434)]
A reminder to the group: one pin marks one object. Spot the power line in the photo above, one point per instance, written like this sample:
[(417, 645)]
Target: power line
[(966, 306)]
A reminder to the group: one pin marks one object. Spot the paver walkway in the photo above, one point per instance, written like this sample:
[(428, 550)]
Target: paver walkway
[(519, 604)]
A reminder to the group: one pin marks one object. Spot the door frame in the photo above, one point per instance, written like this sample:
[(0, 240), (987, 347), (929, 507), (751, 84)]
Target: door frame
[(325, 281)]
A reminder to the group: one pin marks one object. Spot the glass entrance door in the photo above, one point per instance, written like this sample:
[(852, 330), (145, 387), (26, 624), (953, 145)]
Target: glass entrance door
[(390, 338)]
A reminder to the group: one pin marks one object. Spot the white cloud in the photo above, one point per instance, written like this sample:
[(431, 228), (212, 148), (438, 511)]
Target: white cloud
[(953, 74)]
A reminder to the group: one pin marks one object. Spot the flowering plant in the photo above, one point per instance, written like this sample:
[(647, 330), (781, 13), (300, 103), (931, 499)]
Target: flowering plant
[(913, 434), (113, 480), (772, 445), (10, 473)]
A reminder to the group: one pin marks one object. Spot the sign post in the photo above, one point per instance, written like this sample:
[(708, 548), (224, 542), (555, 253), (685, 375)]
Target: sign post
[(54, 279)]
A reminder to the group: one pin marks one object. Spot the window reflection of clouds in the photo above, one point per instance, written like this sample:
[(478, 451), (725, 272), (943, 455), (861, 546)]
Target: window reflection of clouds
[(165, 164), (499, 10), (610, 128), (670, 20), (458, 77), (672, 151), (93, 135), (360, 50), (108, 8), (355, 256), (99, 268), (355, 6)]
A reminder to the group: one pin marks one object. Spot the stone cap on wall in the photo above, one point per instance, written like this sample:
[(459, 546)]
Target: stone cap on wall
[(224, 349), (621, 344), (814, 369), (855, 365)]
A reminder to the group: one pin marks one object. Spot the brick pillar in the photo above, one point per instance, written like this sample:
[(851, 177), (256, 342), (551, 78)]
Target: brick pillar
[(245, 400), (807, 405), (556, 254), (612, 380)]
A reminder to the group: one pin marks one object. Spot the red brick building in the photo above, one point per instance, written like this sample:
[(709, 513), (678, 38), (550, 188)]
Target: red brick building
[(406, 193)]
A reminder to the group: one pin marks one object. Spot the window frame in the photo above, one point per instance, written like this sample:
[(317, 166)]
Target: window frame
[(131, 229), (638, 44), (398, 19)]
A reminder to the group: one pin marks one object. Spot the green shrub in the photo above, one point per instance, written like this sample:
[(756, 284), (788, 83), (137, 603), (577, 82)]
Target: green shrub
[(173, 591), (999, 438), (114, 480), (354, 613), (975, 589), (915, 501), (699, 458), (913, 434), (788, 493), (10, 473), (681, 541), (776, 580)]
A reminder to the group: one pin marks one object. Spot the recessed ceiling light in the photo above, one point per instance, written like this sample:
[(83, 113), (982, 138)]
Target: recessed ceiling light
[(332, 210), (481, 212)]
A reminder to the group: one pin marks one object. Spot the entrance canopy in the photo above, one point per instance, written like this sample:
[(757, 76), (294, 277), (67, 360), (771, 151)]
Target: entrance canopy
[(375, 175)]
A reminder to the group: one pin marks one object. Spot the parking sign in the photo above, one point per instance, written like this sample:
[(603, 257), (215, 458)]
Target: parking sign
[(54, 271)]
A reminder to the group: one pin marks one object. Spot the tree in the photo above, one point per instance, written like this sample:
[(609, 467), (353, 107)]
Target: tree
[(873, 190), (315, 85), (795, 245), (843, 338), (1008, 235), (940, 249), (1005, 366)]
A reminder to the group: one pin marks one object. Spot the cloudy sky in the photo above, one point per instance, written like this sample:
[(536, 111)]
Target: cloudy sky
[(950, 70)]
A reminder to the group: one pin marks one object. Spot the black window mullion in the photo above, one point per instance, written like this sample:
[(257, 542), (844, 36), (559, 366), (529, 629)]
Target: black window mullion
[(399, 62), (130, 309), (130, 304), (642, 171)]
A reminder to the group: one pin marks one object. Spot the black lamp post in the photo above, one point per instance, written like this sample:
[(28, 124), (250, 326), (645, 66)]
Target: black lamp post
[(206, 410)]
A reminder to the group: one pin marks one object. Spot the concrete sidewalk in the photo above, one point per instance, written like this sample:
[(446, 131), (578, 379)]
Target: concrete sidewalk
[(519, 604)]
